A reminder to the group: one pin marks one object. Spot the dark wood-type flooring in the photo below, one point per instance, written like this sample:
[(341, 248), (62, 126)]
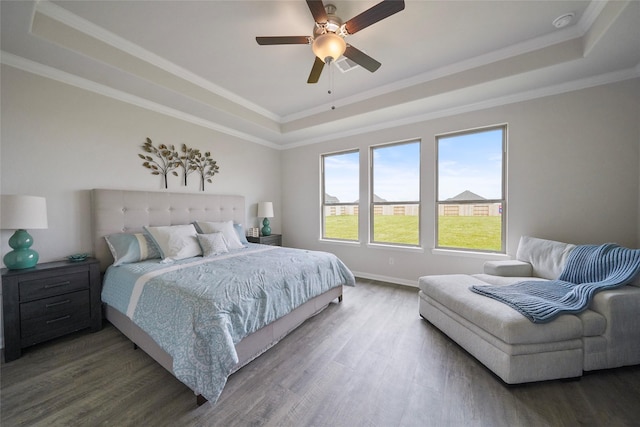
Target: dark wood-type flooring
[(368, 361)]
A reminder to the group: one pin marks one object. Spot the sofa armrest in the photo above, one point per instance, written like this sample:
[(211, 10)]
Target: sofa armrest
[(508, 268), (621, 309)]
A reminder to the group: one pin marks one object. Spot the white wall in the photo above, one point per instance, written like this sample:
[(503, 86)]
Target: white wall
[(577, 153), (59, 142)]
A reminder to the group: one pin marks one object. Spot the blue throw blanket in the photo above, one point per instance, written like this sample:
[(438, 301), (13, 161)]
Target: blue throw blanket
[(589, 269)]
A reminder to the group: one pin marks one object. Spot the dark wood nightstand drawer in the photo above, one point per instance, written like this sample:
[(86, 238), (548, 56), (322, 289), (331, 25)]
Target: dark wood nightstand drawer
[(55, 285), (54, 306), (40, 329)]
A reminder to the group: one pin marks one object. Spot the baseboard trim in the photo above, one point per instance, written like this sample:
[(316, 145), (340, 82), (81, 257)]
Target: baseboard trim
[(381, 278)]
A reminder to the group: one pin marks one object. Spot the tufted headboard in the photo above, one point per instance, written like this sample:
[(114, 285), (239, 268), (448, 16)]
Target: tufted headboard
[(117, 211)]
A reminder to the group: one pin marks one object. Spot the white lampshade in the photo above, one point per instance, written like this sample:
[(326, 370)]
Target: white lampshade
[(265, 210), (23, 212), (329, 45)]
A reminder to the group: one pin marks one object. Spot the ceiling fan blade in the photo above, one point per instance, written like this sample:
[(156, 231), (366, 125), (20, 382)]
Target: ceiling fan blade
[(317, 10), (361, 58), (316, 70), (374, 14), (282, 40)]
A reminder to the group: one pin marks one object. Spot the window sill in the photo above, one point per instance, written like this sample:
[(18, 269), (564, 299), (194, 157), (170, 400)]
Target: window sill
[(395, 247), (340, 242), (470, 254)]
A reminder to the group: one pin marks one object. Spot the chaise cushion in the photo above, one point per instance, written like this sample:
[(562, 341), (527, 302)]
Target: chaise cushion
[(508, 268), (496, 318), (547, 257)]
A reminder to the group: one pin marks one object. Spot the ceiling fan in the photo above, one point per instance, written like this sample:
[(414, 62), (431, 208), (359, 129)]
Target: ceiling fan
[(327, 41)]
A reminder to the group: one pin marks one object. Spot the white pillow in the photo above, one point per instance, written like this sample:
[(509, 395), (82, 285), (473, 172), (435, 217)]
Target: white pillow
[(176, 241), (212, 244), (226, 228), (547, 257)]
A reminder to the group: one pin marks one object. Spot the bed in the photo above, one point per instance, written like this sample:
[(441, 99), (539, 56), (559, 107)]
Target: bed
[(283, 287)]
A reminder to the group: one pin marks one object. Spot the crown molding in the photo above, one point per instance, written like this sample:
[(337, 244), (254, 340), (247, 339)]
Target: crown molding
[(82, 83), (62, 15), (578, 30), (73, 80), (590, 15), (556, 37), (575, 31), (575, 85)]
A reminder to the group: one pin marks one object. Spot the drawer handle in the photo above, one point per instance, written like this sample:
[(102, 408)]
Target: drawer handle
[(54, 304), (55, 285), (59, 319)]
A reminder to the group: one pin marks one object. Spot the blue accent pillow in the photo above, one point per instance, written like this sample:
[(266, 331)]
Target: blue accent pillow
[(131, 247), (241, 235)]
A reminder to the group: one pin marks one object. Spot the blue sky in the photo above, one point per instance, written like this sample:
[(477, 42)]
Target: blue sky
[(470, 162), (341, 174), (466, 162), (396, 171)]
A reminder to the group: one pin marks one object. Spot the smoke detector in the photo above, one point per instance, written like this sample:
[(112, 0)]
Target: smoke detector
[(563, 20)]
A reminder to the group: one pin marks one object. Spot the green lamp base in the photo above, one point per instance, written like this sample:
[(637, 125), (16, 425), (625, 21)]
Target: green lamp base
[(266, 230), (21, 256)]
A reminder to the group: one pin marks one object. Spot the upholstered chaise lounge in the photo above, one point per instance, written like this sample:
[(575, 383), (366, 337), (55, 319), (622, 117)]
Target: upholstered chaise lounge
[(606, 335)]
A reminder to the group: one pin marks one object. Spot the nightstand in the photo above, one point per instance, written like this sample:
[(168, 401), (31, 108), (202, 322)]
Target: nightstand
[(272, 239), (47, 301)]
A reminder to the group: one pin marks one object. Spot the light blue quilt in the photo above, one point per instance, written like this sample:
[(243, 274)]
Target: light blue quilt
[(589, 269), (197, 309)]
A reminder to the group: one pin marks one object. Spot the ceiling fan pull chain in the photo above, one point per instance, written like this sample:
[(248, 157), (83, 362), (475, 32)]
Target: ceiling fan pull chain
[(330, 91)]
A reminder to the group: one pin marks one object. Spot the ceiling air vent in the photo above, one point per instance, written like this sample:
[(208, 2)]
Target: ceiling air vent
[(344, 64)]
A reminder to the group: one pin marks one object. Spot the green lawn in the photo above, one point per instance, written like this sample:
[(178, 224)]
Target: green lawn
[(396, 229), (341, 227), (468, 232)]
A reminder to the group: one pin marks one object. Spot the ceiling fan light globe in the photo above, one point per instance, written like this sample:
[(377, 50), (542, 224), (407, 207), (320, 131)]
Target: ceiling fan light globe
[(328, 47)]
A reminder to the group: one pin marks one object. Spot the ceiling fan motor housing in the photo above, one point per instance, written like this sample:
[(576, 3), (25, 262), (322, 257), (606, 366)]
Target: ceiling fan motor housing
[(333, 24), (328, 43)]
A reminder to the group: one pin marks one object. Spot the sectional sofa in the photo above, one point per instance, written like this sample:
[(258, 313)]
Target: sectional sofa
[(606, 335)]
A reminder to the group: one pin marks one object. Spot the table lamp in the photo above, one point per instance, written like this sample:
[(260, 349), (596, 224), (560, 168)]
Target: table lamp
[(265, 209), (19, 213)]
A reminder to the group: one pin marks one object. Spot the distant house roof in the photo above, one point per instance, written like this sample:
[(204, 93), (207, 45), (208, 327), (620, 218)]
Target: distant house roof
[(330, 199), (465, 196), (376, 198)]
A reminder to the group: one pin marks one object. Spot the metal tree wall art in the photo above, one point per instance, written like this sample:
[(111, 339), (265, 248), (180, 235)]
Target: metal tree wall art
[(188, 159), (206, 166), (165, 163), (185, 160)]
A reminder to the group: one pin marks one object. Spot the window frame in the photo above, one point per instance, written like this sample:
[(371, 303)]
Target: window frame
[(503, 190), (373, 203), (324, 205)]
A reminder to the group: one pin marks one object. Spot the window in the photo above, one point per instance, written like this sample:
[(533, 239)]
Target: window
[(395, 193), (340, 190), (470, 198)]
